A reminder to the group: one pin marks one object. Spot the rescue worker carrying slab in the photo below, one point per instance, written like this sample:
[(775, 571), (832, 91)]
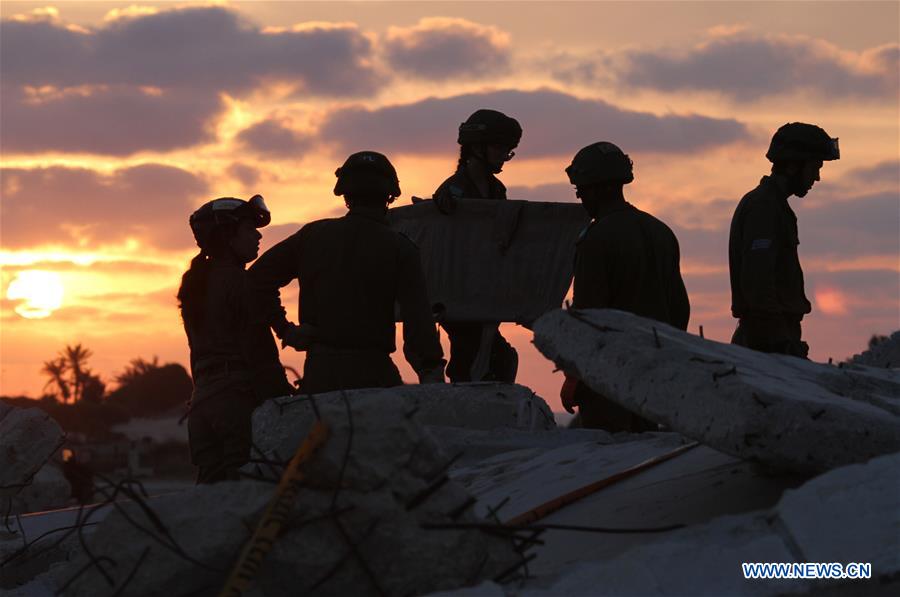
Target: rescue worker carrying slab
[(767, 294), (234, 360), (625, 259), (352, 271), (487, 140)]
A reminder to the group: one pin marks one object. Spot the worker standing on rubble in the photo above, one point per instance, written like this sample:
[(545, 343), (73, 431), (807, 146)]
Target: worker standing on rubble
[(487, 140), (352, 271), (767, 295), (234, 360), (625, 259)]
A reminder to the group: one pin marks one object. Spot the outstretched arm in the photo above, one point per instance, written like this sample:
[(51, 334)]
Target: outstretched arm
[(274, 269)]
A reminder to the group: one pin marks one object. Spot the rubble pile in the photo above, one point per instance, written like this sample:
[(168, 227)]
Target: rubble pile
[(28, 439), (787, 412), (358, 525), (884, 353), (409, 492), (847, 515)]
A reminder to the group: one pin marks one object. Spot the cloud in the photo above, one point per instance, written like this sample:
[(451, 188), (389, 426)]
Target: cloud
[(245, 174), (207, 48), (117, 121), (554, 124), (154, 81), (274, 138), (85, 208), (554, 191), (885, 172), (439, 48), (861, 225), (746, 67)]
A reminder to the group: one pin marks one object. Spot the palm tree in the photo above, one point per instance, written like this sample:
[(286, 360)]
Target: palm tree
[(56, 369), (77, 357)]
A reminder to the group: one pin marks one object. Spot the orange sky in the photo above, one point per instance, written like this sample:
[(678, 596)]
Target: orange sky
[(118, 119)]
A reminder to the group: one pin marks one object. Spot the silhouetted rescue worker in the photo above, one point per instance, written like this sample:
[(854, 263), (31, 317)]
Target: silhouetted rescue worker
[(767, 295), (625, 259), (352, 271), (487, 140), (234, 359)]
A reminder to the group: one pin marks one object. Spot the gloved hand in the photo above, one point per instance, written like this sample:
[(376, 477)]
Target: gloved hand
[(567, 393), (298, 337), (446, 203), (435, 375)]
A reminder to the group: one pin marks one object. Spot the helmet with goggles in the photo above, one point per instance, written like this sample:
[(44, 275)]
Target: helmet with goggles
[(227, 211)]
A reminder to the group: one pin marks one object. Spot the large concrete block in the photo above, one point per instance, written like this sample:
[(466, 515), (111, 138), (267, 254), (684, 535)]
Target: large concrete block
[(356, 527), (848, 515), (28, 438), (472, 406), (48, 489), (783, 411)]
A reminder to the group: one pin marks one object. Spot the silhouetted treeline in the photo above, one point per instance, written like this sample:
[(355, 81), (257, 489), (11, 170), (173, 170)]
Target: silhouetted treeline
[(80, 402)]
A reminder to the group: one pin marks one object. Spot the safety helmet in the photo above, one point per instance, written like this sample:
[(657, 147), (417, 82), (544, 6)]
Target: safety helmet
[(367, 171), (598, 163), (490, 127), (801, 141), (227, 211)]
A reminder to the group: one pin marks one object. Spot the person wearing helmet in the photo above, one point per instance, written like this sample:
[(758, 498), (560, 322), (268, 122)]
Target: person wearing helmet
[(487, 140), (234, 360), (767, 294), (352, 271), (625, 259)]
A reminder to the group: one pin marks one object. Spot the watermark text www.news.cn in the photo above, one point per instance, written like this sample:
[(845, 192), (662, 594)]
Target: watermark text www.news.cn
[(806, 570)]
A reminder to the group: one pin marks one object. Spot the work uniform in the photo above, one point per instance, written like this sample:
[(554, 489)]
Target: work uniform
[(627, 260), (235, 366), (466, 337), (767, 294), (352, 271)]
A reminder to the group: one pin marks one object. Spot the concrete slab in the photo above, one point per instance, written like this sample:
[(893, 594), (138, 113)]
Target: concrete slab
[(824, 520), (779, 410), (28, 438)]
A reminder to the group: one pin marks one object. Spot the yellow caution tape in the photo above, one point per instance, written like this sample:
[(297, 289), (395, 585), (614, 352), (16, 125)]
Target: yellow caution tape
[(279, 508)]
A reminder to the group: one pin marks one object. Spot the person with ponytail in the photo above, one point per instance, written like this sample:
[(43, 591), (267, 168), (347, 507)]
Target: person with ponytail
[(234, 359)]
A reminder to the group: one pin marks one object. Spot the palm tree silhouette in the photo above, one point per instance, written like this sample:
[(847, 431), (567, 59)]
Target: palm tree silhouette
[(76, 357), (56, 370)]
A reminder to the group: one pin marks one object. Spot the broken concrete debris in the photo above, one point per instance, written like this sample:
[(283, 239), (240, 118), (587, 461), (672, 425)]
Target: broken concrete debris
[(787, 412), (883, 352), (360, 523), (850, 514), (28, 439)]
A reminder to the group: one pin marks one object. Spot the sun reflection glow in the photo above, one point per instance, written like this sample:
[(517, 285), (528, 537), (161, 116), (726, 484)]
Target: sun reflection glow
[(41, 293)]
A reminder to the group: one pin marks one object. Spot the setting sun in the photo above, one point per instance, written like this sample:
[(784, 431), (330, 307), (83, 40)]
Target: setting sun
[(41, 293)]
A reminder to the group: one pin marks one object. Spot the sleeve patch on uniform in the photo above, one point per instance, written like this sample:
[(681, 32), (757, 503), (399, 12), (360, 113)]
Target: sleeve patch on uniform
[(761, 243)]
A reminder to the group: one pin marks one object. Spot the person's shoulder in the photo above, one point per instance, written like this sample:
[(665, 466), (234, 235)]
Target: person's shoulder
[(657, 224), (454, 185), (763, 194)]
